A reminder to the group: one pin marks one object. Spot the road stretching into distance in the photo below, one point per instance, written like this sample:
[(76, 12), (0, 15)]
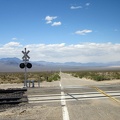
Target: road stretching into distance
[(78, 99)]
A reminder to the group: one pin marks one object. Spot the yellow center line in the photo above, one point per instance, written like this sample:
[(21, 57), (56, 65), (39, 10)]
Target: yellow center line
[(103, 92)]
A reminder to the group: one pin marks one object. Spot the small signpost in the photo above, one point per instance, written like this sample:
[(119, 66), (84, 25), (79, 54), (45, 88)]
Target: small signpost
[(25, 65)]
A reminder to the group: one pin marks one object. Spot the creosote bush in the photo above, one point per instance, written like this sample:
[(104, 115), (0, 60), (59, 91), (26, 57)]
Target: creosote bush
[(53, 77)]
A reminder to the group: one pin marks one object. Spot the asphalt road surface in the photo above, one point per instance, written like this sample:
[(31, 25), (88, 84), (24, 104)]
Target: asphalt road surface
[(77, 99)]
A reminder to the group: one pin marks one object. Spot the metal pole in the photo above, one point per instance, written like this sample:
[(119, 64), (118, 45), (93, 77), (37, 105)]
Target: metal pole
[(25, 76), (39, 83), (25, 59), (25, 69)]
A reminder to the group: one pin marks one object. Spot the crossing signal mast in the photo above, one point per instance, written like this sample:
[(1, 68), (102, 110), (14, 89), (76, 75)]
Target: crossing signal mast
[(25, 64)]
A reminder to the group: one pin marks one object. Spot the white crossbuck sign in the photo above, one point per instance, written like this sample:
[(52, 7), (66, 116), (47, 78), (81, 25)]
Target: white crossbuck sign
[(25, 57)]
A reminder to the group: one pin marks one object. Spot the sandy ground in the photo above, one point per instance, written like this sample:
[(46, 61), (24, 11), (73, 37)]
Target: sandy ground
[(30, 112), (21, 85), (107, 81), (111, 81)]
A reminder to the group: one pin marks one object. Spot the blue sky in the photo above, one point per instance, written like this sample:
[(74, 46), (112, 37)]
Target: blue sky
[(50, 24)]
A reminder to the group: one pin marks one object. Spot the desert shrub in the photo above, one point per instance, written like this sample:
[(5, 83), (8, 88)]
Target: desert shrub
[(97, 75), (53, 77), (98, 78), (36, 76), (56, 77)]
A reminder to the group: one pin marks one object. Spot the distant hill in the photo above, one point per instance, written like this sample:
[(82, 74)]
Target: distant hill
[(10, 61), (12, 65)]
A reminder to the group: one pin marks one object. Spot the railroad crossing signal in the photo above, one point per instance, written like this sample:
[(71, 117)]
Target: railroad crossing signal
[(25, 57), (22, 65), (28, 65), (25, 64)]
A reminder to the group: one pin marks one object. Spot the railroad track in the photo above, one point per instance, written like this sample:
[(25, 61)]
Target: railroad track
[(13, 96)]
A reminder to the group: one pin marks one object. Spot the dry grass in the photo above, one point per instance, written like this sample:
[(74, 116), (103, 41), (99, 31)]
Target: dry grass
[(98, 75), (19, 77)]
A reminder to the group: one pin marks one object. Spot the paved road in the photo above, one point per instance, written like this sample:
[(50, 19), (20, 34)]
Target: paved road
[(77, 99)]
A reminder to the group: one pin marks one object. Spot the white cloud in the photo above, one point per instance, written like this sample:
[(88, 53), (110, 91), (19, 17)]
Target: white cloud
[(50, 18), (12, 44), (84, 52), (75, 7), (56, 23), (83, 32), (14, 38), (87, 4), (10, 49)]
